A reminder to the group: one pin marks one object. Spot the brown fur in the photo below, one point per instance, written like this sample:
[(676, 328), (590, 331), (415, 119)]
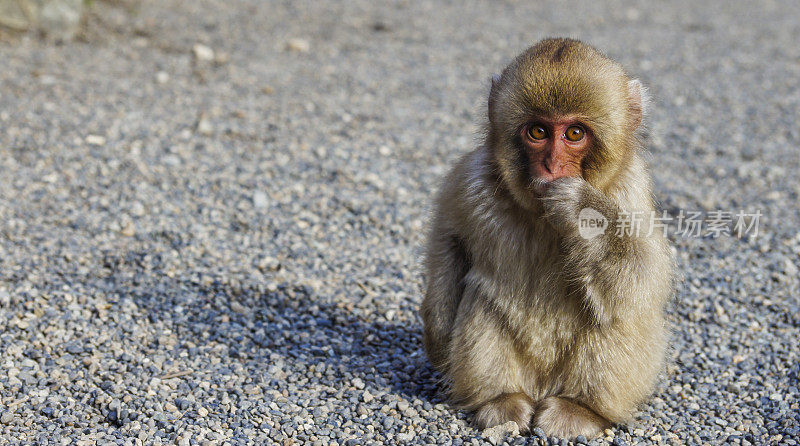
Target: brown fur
[(520, 310), (561, 417), (516, 407)]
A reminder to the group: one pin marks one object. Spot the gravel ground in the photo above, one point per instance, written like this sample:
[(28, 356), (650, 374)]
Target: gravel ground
[(220, 244)]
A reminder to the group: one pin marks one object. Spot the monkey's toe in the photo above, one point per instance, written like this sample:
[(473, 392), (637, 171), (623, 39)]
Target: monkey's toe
[(516, 407), (561, 417)]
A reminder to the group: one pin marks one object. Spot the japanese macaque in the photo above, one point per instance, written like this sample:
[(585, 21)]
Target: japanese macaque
[(538, 309)]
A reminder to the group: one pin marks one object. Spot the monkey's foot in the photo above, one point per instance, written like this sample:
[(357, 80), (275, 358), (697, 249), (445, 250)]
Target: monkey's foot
[(516, 407), (561, 417)]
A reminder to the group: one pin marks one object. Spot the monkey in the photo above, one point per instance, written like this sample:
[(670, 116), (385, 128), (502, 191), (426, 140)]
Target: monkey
[(528, 316)]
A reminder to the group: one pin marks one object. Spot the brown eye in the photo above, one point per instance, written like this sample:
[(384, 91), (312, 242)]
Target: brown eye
[(574, 133), (537, 132)]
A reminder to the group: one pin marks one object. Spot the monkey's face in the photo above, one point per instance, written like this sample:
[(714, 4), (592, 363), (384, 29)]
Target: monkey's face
[(561, 109), (555, 148)]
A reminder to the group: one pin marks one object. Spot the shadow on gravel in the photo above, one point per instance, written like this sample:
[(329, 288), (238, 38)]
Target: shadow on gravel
[(277, 336), (386, 356)]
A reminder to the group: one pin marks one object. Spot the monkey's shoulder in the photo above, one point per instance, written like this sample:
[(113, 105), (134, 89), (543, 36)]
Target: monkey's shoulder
[(473, 188)]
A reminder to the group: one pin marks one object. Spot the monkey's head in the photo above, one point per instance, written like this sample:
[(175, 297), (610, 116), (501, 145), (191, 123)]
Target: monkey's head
[(562, 109)]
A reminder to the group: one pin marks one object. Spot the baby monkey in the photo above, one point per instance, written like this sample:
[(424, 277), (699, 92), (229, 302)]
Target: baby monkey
[(546, 276)]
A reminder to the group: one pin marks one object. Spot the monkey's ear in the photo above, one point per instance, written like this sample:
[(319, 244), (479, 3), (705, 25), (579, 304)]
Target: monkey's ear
[(492, 94), (636, 102)]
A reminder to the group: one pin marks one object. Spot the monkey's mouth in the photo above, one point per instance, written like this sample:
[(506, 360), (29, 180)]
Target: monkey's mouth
[(539, 185), (541, 177)]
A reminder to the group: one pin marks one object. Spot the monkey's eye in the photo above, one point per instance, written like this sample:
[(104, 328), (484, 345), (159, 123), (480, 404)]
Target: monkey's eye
[(537, 132), (574, 133)]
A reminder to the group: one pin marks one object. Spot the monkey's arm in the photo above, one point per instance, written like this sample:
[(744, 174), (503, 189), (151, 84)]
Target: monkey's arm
[(447, 263), (625, 268)]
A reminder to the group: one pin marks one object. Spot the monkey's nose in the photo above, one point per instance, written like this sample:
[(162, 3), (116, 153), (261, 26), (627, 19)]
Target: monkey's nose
[(548, 164)]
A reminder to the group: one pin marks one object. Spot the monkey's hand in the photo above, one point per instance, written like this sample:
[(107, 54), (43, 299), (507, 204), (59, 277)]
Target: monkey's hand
[(613, 259), (574, 207)]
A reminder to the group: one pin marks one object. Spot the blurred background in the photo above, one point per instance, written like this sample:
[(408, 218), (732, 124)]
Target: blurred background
[(212, 212)]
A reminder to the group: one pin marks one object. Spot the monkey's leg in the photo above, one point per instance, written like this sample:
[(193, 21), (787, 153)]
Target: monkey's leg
[(447, 263), (612, 369), (562, 417), (485, 372), (517, 407)]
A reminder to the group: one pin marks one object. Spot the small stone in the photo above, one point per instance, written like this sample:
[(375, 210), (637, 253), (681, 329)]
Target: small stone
[(202, 412), (299, 45), (237, 307), (128, 229), (495, 434), (202, 52), (366, 396), (790, 268), (410, 412), (182, 404), (268, 264), (358, 383), (172, 160), (260, 199), (204, 126), (162, 77), (137, 209), (95, 140), (267, 89), (406, 436), (7, 417)]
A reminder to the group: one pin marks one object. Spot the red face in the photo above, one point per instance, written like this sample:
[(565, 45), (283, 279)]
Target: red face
[(555, 148)]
